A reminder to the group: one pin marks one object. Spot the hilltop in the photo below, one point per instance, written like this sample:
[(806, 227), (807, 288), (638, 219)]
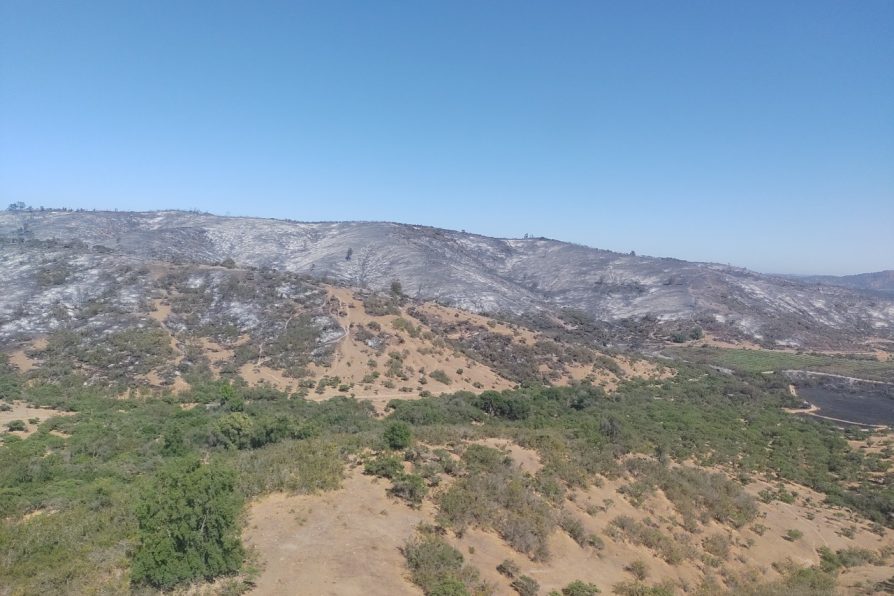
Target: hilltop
[(633, 298)]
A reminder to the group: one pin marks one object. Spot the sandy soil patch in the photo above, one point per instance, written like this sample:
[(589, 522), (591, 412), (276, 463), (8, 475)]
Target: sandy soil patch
[(446, 313), (346, 542), (874, 443), (160, 311), (20, 358), (599, 377), (528, 460), (820, 524), (24, 412), (716, 342), (351, 359), (255, 374)]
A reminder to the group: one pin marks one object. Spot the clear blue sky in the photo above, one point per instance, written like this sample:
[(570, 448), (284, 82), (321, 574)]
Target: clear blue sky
[(755, 133)]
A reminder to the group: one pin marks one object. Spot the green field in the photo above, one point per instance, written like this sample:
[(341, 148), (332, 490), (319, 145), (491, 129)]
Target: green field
[(756, 361)]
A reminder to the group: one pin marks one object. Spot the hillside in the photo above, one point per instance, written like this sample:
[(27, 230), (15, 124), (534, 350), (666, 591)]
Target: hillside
[(192, 404), (879, 281), (511, 277)]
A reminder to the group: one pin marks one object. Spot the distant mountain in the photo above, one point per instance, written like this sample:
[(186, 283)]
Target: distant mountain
[(880, 281), (516, 277)]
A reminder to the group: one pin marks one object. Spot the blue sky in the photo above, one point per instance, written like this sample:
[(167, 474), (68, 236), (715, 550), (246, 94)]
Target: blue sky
[(754, 133)]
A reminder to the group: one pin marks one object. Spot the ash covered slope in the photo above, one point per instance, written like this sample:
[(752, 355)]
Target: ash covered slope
[(881, 282), (482, 274)]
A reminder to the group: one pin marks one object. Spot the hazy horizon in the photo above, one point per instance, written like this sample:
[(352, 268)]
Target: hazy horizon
[(755, 134), (461, 230)]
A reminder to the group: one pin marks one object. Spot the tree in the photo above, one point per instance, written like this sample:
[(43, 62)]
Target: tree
[(396, 288), (398, 435), (173, 443), (187, 525), (350, 252), (19, 206)]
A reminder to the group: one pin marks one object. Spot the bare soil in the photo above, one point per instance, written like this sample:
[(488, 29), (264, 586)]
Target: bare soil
[(345, 542), (348, 541), (24, 412)]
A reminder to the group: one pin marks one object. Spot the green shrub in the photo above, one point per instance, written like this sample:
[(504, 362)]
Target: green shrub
[(671, 550), (831, 561), (16, 425), (409, 487), (437, 567), (637, 569), (188, 526), (637, 588), (504, 405), (494, 494), (717, 545), (509, 568), (384, 466), (579, 588), (574, 528), (696, 493), (304, 466), (525, 586), (440, 376), (792, 535), (398, 435)]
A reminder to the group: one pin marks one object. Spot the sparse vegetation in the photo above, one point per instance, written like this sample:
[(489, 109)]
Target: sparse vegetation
[(579, 588), (97, 465), (437, 567), (494, 494), (525, 586), (792, 535)]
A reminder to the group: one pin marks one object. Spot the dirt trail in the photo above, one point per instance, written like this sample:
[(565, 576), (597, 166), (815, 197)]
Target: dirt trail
[(160, 312), (834, 376)]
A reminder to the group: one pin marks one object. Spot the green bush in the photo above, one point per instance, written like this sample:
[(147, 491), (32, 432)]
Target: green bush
[(188, 525), (16, 425), (303, 466), (638, 588), (792, 535), (717, 545), (409, 487), (398, 435), (440, 376), (672, 551), (437, 567), (638, 569), (494, 494), (579, 588), (525, 586), (384, 466), (509, 568)]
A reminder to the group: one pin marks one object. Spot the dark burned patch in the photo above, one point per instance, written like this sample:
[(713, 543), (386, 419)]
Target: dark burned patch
[(280, 318), (545, 360)]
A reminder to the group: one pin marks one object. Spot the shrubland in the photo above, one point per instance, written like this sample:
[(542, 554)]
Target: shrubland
[(87, 499)]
